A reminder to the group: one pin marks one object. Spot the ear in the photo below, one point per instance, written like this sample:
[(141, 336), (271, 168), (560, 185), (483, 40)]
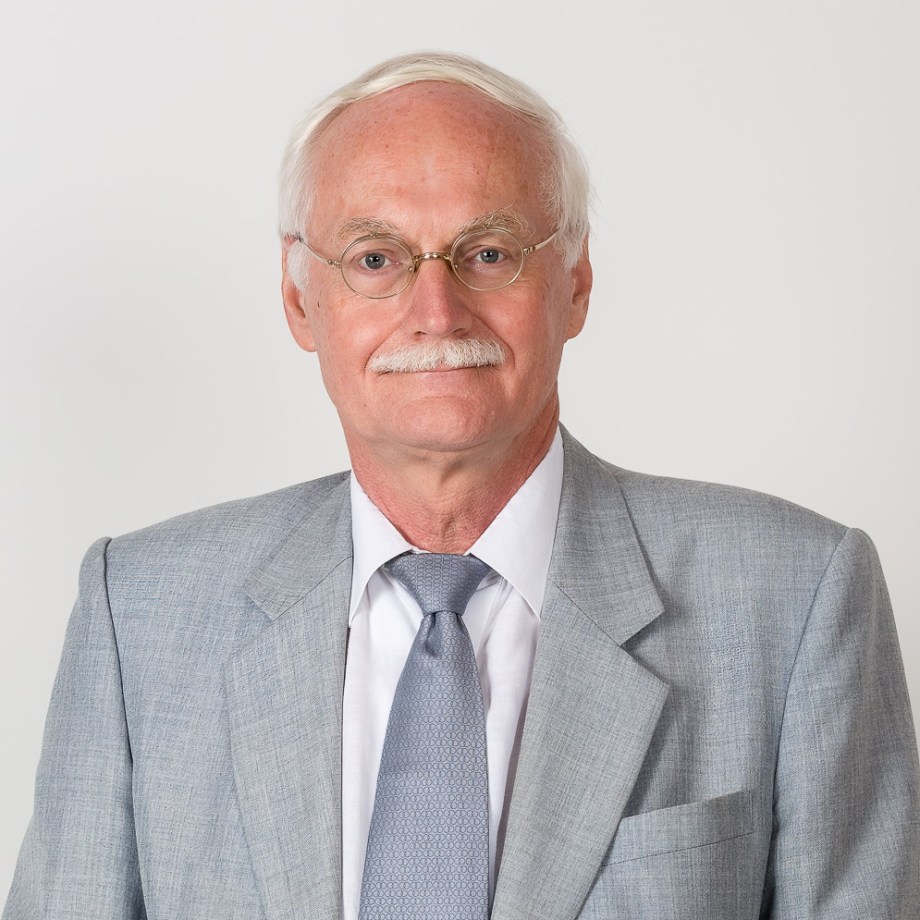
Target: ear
[(298, 318), (582, 279)]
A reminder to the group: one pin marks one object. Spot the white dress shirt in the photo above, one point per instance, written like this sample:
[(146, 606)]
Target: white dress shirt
[(503, 619)]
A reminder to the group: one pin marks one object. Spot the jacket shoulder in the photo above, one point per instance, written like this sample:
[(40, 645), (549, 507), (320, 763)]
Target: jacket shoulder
[(239, 521), (214, 547), (719, 507), (728, 531), (684, 523), (702, 510)]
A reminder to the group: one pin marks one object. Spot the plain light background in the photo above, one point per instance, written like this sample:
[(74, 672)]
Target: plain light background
[(756, 248)]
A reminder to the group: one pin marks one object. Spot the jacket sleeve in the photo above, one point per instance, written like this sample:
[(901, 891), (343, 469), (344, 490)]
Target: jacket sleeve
[(79, 858), (846, 833)]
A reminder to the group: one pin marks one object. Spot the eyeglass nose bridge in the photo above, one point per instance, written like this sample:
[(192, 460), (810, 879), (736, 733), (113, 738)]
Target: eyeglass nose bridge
[(432, 256)]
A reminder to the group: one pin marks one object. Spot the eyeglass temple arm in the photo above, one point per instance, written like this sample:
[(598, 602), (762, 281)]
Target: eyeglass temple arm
[(336, 263), (528, 250)]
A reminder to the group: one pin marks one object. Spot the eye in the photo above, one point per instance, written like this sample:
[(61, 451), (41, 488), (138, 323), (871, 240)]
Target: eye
[(491, 253), (374, 256), (374, 260), (489, 256), (481, 256)]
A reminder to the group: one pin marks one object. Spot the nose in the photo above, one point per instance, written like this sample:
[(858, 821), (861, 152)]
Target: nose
[(438, 303)]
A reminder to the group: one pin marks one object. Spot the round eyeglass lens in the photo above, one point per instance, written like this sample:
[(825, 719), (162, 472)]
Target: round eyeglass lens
[(486, 260), (377, 267)]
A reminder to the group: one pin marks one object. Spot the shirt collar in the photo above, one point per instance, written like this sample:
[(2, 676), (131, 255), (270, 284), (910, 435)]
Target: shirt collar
[(527, 520), (375, 541)]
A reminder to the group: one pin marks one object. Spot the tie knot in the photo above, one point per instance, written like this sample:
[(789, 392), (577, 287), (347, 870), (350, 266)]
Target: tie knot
[(439, 581)]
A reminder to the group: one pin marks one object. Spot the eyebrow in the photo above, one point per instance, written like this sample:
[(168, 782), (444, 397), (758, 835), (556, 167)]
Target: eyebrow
[(502, 219), (364, 226)]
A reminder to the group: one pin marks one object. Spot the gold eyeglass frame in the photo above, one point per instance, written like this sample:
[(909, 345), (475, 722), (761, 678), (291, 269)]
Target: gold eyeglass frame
[(427, 256)]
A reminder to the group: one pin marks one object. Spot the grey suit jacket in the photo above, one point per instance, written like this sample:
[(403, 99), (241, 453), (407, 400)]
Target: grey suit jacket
[(718, 724)]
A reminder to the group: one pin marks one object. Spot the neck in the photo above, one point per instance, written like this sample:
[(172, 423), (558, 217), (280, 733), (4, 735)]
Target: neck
[(443, 502)]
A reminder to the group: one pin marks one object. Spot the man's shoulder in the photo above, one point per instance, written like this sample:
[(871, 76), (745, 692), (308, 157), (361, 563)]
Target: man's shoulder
[(700, 504), (713, 544), (242, 529), (666, 510)]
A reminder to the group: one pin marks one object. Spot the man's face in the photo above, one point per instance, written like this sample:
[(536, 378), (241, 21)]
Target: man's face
[(424, 160)]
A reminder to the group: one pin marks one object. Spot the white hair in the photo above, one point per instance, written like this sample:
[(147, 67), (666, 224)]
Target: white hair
[(566, 188)]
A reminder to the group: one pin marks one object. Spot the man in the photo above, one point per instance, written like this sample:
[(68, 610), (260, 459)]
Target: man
[(688, 699)]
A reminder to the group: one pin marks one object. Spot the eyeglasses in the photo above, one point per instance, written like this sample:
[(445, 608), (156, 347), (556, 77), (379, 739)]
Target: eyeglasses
[(383, 266)]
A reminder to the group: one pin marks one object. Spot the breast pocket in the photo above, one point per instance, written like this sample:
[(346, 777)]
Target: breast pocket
[(683, 827)]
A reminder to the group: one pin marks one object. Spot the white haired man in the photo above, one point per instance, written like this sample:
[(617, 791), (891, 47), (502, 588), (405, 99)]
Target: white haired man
[(485, 673)]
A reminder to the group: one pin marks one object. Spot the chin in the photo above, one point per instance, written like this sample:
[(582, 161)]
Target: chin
[(444, 440), (444, 432)]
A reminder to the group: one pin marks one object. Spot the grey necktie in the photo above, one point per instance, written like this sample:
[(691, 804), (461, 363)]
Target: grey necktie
[(428, 845)]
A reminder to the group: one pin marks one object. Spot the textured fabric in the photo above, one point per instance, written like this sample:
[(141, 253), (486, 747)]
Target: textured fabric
[(718, 724), (428, 845), (502, 619)]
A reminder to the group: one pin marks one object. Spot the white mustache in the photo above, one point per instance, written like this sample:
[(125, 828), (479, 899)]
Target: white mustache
[(446, 354)]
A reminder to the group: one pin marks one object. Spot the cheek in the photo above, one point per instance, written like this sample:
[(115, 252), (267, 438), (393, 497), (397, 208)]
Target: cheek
[(345, 341), (535, 330)]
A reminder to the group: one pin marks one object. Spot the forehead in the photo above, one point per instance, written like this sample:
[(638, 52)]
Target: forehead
[(426, 153)]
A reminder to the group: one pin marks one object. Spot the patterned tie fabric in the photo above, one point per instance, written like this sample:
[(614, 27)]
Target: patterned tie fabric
[(428, 846)]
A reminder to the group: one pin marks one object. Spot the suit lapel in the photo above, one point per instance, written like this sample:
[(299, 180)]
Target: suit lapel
[(592, 707), (284, 696)]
